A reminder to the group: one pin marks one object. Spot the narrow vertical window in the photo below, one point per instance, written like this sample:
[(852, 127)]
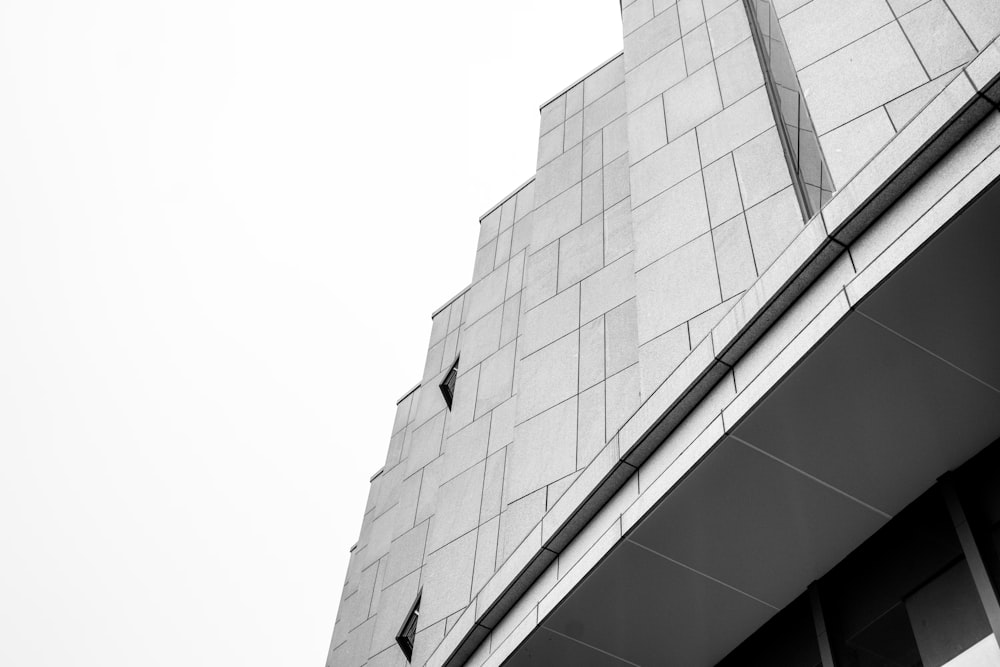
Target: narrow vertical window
[(806, 163), (408, 633), (448, 386)]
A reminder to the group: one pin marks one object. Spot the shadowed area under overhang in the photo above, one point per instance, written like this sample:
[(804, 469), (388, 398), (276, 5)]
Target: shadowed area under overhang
[(901, 391)]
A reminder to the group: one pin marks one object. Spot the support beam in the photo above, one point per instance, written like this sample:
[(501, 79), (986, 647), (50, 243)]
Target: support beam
[(823, 637), (978, 548)]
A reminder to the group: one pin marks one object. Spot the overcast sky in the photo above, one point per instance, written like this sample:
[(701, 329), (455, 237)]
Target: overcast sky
[(223, 228)]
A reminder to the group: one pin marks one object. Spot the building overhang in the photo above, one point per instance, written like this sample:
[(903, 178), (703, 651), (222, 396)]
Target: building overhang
[(904, 387), (740, 405)]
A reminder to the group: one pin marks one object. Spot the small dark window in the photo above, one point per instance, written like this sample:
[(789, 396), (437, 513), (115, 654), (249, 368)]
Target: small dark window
[(408, 632), (448, 386)]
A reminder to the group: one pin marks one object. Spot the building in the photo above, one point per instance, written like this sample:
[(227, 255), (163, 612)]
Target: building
[(724, 384)]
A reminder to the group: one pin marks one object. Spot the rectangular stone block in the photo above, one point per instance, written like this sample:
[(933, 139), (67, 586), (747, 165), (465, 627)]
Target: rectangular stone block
[(493, 486), (507, 213), (548, 377), (447, 581), (761, 168), (593, 196), (612, 285), (735, 125), (692, 101), (541, 274), (581, 252), (502, 426), (701, 326), (647, 129), (521, 236), (691, 14), (618, 231), (489, 227), (728, 28), (517, 522), (406, 555), (621, 399), (713, 7), (573, 131), (525, 200), (822, 26), (697, 48), (458, 508), (674, 289), (481, 339), (739, 72), (486, 294), (651, 37), (979, 18), (426, 444), (722, 190), (616, 181), (906, 106), (486, 554), (432, 365), (660, 356), (773, 224), (636, 14), (544, 450), (670, 220), (603, 110), (737, 270), (496, 380), (511, 315), (592, 153), (551, 320), (940, 42), (655, 75), (550, 145), (558, 175), (484, 260), (552, 114), (465, 448), (859, 77), (406, 509), (615, 138), (592, 353), (603, 80), (621, 350), (591, 439), (664, 168), (557, 216), (503, 247), (851, 145), (574, 99)]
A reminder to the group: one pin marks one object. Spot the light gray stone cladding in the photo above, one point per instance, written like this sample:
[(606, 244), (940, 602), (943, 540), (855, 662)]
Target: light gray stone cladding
[(645, 288)]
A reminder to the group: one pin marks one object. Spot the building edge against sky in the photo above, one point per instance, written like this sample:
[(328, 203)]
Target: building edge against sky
[(728, 349)]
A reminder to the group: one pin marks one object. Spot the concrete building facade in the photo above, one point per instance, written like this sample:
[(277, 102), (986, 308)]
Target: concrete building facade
[(723, 386)]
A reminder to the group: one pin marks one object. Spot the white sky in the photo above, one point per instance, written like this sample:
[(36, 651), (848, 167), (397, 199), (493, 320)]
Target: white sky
[(223, 228)]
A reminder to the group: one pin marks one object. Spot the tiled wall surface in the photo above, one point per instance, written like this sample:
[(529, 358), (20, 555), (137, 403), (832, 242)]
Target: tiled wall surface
[(712, 195), (662, 192), (868, 66)]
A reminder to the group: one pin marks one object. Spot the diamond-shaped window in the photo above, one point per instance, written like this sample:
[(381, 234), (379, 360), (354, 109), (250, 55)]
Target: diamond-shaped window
[(448, 385), (408, 633)]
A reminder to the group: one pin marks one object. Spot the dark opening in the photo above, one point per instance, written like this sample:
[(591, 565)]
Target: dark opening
[(448, 386), (408, 633)]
